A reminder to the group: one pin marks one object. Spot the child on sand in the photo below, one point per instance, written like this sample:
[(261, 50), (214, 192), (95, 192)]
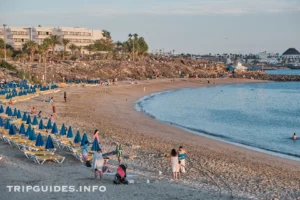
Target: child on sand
[(33, 111), (181, 158), (174, 164), (119, 152)]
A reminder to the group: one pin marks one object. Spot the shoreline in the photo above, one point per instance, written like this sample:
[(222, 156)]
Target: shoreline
[(213, 166), (139, 108)]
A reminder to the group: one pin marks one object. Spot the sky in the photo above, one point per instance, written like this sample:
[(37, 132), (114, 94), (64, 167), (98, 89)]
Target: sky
[(189, 26)]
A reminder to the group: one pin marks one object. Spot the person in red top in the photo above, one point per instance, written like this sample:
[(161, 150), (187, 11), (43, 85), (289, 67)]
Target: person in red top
[(96, 135)]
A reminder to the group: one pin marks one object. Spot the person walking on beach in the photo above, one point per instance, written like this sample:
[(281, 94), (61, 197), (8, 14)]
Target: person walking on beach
[(294, 137), (98, 163), (174, 164), (65, 96), (181, 158), (96, 135), (119, 152), (54, 109)]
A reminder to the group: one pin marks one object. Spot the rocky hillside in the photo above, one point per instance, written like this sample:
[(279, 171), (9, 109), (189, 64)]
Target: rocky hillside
[(109, 69)]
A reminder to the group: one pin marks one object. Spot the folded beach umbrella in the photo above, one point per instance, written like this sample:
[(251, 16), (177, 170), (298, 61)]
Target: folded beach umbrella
[(39, 141), (32, 135), (12, 130), (15, 112), (95, 146), (49, 143), (22, 130), (84, 138), (24, 118), (41, 125), (28, 120), (19, 116), (28, 131), (10, 113), (6, 110), (7, 125), (1, 122), (63, 130), (49, 124), (54, 129), (70, 132), (35, 121), (1, 109), (77, 138)]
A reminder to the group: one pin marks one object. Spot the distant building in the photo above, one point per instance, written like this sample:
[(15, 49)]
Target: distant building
[(291, 53), (81, 37)]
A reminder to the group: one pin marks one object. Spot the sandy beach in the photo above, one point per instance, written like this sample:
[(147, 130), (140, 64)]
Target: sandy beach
[(215, 170)]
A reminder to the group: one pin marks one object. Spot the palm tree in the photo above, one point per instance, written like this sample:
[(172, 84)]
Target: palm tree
[(79, 49), (72, 47), (31, 47), (135, 36), (65, 42), (54, 40), (90, 48)]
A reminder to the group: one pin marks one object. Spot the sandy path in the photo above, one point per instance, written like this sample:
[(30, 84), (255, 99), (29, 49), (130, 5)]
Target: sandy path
[(214, 167)]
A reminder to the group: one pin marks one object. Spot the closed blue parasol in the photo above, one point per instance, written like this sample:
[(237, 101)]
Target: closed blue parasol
[(28, 131), (49, 143), (84, 138), (54, 129), (32, 135), (7, 124), (41, 125), (15, 112), (12, 130), (77, 138), (22, 129), (35, 121), (95, 146), (39, 141), (70, 132), (7, 109), (28, 120), (63, 130), (1, 122), (24, 118), (49, 124), (1, 109), (10, 112), (19, 116)]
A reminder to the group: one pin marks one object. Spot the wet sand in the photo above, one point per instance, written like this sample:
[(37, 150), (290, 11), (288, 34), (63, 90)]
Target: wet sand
[(216, 170)]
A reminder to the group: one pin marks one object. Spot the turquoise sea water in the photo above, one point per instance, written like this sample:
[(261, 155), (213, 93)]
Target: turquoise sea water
[(263, 116), (284, 71)]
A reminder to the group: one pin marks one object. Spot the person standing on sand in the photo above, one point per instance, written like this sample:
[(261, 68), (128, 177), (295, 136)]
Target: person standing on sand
[(174, 164), (85, 151), (98, 163), (119, 152), (65, 96), (181, 158), (54, 109)]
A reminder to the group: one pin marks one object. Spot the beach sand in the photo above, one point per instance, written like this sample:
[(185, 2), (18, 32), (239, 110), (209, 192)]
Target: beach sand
[(215, 170)]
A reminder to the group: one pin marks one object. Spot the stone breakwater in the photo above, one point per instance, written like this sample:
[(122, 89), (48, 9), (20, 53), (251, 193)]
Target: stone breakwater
[(265, 76)]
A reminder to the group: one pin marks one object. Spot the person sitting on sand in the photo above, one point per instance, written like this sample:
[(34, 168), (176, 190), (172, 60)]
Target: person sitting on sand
[(181, 158), (174, 164), (33, 111), (85, 151), (294, 137), (98, 163), (105, 168)]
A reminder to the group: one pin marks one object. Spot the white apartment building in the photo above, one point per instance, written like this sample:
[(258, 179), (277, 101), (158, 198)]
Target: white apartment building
[(81, 37)]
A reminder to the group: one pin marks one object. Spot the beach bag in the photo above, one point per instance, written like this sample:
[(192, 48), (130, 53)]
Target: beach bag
[(88, 163)]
